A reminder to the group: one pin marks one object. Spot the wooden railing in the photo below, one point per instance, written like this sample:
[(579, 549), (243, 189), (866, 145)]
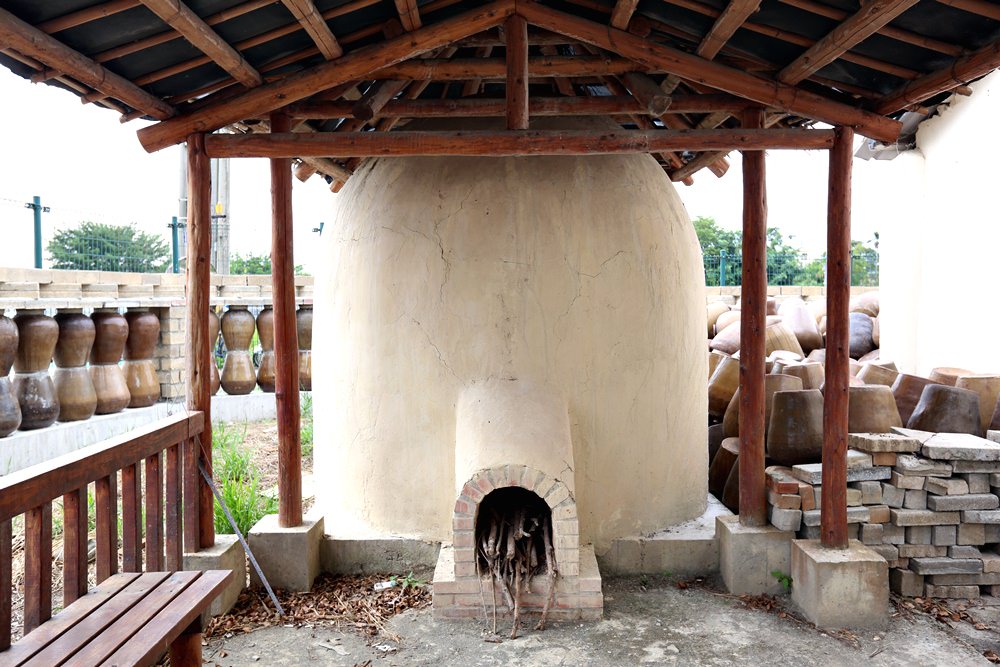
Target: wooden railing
[(170, 485)]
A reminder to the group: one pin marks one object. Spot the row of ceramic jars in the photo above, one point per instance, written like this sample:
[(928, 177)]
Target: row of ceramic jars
[(32, 340), (238, 376)]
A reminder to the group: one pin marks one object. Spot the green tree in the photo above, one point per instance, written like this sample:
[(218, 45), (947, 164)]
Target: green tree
[(97, 246), (253, 265), (716, 241), (783, 260)]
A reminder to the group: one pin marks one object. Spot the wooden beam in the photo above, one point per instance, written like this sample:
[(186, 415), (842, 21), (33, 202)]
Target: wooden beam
[(198, 348), (409, 14), (962, 71), (473, 86), (194, 29), (753, 491), (516, 35), (860, 26), (622, 13), (833, 505), (654, 101), (979, 7), (312, 22), (495, 69), (727, 23), (77, 18), (524, 142), (376, 97), (352, 66), (286, 348), (655, 56), (32, 42)]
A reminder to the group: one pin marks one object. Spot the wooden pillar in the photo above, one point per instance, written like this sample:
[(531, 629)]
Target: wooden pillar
[(753, 495), (516, 31), (286, 344), (838, 294), (198, 348)]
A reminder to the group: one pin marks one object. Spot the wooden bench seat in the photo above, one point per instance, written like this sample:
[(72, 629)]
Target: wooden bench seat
[(130, 619)]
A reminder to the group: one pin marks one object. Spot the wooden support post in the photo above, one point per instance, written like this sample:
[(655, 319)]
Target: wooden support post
[(516, 31), (286, 346), (198, 348), (753, 495), (833, 527)]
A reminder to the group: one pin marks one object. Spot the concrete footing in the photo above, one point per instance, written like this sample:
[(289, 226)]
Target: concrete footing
[(393, 555), (749, 556), (226, 554), (840, 588), (288, 557)]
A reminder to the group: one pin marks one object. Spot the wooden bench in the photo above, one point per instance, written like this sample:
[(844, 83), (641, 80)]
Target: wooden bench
[(130, 619)]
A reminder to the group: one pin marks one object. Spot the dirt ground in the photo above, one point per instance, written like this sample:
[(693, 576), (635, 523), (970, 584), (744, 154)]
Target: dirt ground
[(646, 623)]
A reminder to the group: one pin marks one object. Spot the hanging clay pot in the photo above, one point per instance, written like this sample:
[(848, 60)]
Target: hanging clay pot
[(140, 346), (795, 429), (871, 409), (35, 391), (214, 327), (861, 335), (304, 326), (772, 384), (944, 409), (722, 464), (265, 330), (722, 385), (238, 377), (948, 376), (75, 389), (875, 374), (988, 388), (109, 344), (714, 310), (10, 411)]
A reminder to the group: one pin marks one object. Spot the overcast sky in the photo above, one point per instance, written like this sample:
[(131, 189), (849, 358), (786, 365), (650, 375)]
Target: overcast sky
[(87, 166)]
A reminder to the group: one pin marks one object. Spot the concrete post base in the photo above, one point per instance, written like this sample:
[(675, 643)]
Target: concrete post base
[(226, 554), (288, 557), (749, 555), (840, 588)]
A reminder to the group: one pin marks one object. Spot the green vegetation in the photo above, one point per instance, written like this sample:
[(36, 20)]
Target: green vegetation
[(407, 581), (254, 265), (238, 481), (306, 426), (784, 579), (98, 247)]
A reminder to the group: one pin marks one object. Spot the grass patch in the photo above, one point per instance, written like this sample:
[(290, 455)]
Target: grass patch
[(306, 426), (238, 480)]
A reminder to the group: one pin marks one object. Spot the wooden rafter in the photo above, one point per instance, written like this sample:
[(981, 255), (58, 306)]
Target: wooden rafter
[(495, 69), (728, 22), (979, 7), (516, 80), (312, 22), (66, 81), (622, 13), (193, 28), (859, 27), (472, 86), (376, 97), (409, 14), (709, 158), (654, 101), (656, 56), (77, 18), (32, 42)]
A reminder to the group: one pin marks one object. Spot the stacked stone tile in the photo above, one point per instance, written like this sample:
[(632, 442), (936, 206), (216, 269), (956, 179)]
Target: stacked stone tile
[(926, 502)]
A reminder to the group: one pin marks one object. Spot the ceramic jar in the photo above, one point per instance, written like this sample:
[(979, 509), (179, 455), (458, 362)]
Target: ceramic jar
[(74, 388), (35, 391), (237, 330), (265, 330), (10, 410), (140, 346), (213, 338), (304, 326), (111, 330)]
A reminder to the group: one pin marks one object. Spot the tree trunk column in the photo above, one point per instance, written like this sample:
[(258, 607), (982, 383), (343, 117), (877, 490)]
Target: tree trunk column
[(200, 534), (286, 346), (753, 495), (838, 294)]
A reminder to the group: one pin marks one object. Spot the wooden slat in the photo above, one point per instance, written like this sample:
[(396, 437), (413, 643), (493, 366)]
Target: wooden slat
[(174, 541), (131, 519), (6, 573), (725, 26), (106, 526), (74, 545), (25, 38), (78, 636), (37, 566), (833, 504), (306, 14), (859, 27), (654, 56), (65, 620), (169, 623), (527, 142), (516, 33), (621, 15), (128, 626), (154, 513), (193, 28), (376, 97), (990, 10), (350, 67), (964, 70), (34, 485), (192, 525), (409, 14), (77, 18)]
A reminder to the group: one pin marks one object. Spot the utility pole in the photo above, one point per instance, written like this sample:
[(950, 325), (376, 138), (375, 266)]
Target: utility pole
[(175, 251), (220, 215), (36, 205)]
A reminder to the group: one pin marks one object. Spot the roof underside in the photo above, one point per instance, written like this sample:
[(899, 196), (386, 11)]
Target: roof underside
[(922, 52)]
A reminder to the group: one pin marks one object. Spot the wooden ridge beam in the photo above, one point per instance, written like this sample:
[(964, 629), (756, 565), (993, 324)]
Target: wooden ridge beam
[(193, 28), (355, 65), (312, 22), (859, 27), (962, 71), (462, 69), (621, 15), (507, 143), (32, 42), (516, 80), (687, 66), (725, 26), (77, 18)]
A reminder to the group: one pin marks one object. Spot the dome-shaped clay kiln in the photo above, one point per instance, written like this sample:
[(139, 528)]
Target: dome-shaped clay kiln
[(581, 273)]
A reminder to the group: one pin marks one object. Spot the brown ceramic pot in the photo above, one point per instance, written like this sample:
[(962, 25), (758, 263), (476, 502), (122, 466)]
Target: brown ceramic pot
[(722, 464), (731, 493), (10, 411), (871, 409), (795, 428), (944, 409), (724, 320), (906, 390), (35, 391), (948, 376), (107, 376), (715, 438), (861, 335), (772, 383), (304, 327), (213, 336), (140, 346), (722, 385), (874, 374), (713, 361), (802, 323), (75, 389), (714, 310), (238, 377), (812, 374), (265, 329), (988, 388)]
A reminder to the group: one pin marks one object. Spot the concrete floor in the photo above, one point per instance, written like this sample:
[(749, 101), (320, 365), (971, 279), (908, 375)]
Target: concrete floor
[(651, 624)]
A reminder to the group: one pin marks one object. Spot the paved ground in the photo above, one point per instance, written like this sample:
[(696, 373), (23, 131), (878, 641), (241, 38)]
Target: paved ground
[(646, 623)]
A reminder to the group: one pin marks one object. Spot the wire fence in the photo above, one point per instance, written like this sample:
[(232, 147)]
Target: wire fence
[(726, 270)]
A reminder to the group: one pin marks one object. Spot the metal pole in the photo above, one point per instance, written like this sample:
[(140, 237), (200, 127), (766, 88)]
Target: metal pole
[(722, 268), (173, 241), (36, 205)]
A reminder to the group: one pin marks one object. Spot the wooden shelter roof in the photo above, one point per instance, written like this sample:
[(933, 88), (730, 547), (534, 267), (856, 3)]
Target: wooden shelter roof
[(658, 66)]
